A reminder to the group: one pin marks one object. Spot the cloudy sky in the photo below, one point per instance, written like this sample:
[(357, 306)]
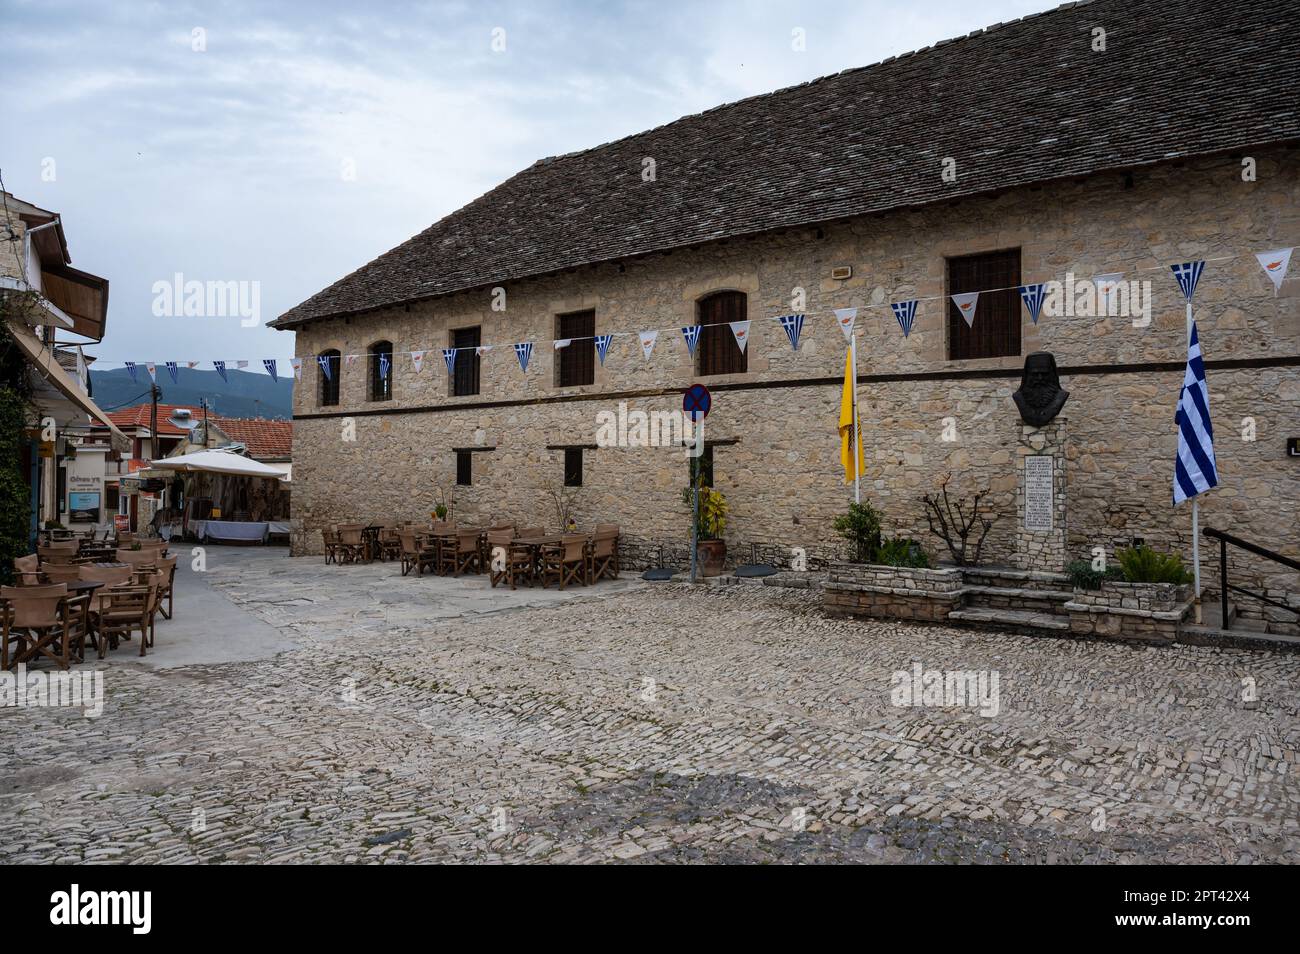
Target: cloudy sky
[(288, 144)]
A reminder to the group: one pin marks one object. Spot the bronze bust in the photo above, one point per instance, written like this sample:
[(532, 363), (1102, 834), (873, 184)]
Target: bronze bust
[(1040, 397)]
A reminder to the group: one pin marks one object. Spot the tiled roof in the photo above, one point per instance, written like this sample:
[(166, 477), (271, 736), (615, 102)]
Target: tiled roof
[(138, 416), (1017, 103), (265, 440)]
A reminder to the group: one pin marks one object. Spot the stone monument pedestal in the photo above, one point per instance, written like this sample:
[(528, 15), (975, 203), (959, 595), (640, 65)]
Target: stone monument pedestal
[(1040, 497)]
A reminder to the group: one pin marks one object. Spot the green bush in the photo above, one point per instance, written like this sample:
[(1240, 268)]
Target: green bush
[(861, 528), (1084, 577), (1144, 565), (901, 551), (15, 498)]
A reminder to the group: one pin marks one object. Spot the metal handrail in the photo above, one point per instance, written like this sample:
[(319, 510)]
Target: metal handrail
[(1225, 587)]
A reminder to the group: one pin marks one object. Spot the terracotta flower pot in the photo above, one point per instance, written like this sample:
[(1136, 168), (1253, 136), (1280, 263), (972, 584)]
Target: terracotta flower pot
[(711, 554)]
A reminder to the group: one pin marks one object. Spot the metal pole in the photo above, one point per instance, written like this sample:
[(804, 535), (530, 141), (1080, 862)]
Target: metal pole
[(1196, 512), (695, 484), (1223, 582), (857, 436)]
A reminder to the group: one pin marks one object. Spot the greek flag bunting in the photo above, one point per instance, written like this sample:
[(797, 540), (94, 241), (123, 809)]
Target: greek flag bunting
[(384, 362), (524, 351), (905, 312), (793, 325), (221, 370), (130, 369), (1195, 470), (692, 336), (269, 364), (322, 360), (171, 369), (1032, 296), (1188, 274), (602, 346), (449, 356)]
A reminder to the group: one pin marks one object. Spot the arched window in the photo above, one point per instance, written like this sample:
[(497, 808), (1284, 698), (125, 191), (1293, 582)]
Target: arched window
[(381, 371), (327, 372), (717, 351)]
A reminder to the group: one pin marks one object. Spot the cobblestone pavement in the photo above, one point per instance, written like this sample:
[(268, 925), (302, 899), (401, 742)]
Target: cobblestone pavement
[(656, 723)]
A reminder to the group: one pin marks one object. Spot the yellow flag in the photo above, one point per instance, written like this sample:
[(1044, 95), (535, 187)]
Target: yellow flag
[(848, 421)]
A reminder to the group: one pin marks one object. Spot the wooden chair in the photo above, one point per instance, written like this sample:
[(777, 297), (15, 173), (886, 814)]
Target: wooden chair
[(330, 536), (147, 557), (567, 562), (116, 612), (125, 537), (60, 572), (507, 561), (352, 543), (412, 554), (611, 528), (27, 570), (468, 553), (604, 555), (41, 621), (167, 573), (63, 552), (531, 532), (390, 543)]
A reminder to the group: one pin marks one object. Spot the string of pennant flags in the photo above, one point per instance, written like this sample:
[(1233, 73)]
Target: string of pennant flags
[(1274, 262)]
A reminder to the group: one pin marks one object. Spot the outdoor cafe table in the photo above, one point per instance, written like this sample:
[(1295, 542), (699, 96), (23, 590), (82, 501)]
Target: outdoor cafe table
[(534, 545)]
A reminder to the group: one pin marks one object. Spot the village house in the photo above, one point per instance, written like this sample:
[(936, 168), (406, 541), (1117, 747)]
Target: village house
[(1090, 140)]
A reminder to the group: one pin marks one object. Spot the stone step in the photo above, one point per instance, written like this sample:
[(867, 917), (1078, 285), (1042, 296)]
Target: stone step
[(1016, 592), (1012, 619), (1015, 579), (1016, 598)]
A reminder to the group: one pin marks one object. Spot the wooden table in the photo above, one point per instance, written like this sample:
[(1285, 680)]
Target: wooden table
[(535, 544)]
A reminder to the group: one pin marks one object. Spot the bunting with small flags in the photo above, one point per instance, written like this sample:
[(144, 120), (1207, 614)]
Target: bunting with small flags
[(793, 325), (1275, 263), (602, 346), (417, 361), (269, 364), (523, 351), (191, 365), (845, 318), (740, 330), (449, 358), (322, 360), (153, 371), (691, 334), (966, 306), (241, 365), (1188, 274), (1033, 296), (385, 363), (648, 339), (130, 369), (172, 370), (905, 312), (562, 343), (296, 364)]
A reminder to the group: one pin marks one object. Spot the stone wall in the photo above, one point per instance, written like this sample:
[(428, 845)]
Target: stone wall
[(1139, 611), (777, 458), (891, 592)]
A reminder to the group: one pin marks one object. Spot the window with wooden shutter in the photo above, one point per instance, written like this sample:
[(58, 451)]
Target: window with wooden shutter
[(464, 467), (329, 383), (381, 371), (465, 379), (996, 329), (576, 363), (717, 352)]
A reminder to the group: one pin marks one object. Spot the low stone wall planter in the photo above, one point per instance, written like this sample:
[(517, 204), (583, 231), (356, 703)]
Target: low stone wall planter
[(1149, 612), (892, 592)]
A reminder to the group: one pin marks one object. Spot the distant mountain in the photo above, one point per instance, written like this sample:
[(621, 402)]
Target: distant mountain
[(244, 395)]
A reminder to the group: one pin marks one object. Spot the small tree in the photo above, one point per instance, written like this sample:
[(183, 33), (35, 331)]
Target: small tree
[(954, 523), (564, 500), (861, 528)]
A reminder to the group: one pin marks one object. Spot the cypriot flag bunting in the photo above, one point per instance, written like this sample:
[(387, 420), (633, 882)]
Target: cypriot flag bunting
[(648, 342), (845, 318), (417, 361), (1275, 264), (966, 306), (740, 329)]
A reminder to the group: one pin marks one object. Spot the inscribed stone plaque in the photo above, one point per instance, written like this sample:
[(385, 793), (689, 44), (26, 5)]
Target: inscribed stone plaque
[(1038, 493)]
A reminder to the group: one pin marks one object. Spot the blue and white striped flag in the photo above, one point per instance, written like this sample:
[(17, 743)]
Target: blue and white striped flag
[(130, 369), (692, 335), (449, 356), (384, 362), (1195, 470), (221, 370), (324, 362), (269, 364), (1188, 274), (905, 312), (793, 325), (602, 346), (523, 351), (171, 369), (1032, 296)]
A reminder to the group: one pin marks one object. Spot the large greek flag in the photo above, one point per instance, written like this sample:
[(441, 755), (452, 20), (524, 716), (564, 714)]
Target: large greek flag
[(1194, 471)]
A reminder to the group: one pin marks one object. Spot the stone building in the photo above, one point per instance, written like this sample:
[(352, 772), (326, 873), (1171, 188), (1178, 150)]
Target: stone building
[(1028, 152)]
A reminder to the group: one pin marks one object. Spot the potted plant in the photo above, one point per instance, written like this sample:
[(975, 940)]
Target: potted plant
[(861, 528), (710, 548)]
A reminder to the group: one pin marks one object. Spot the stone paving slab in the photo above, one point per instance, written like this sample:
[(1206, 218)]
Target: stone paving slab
[(646, 723)]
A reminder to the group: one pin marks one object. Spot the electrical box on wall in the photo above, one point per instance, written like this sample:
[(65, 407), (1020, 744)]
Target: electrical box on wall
[(842, 272)]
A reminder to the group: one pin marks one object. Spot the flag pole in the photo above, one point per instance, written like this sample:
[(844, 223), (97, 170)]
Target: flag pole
[(857, 435), (1196, 518)]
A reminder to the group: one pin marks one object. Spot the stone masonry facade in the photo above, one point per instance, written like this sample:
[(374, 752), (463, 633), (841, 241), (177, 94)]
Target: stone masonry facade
[(776, 450)]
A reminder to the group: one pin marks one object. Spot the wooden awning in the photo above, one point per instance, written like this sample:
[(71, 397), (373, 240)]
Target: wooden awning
[(81, 296)]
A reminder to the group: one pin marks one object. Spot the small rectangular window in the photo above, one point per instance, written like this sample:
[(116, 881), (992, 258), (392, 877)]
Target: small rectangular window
[(464, 468), (577, 360), (995, 330), (573, 467), (465, 379)]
